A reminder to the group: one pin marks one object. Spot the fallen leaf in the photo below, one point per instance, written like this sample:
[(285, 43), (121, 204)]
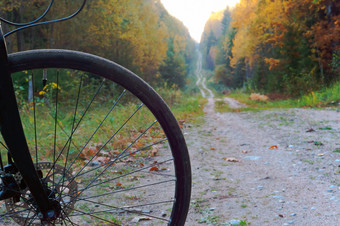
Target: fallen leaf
[(280, 215), (321, 154), (138, 219), (118, 184), (231, 159), (273, 147), (139, 144), (141, 164), (213, 149), (154, 168)]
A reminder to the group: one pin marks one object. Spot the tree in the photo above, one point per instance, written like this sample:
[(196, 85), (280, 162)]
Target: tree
[(173, 69)]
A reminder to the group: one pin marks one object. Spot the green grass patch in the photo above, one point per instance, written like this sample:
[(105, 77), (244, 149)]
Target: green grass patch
[(188, 108), (323, 98)]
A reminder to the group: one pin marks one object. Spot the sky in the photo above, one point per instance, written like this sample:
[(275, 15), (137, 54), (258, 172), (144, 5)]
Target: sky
[(195, 13)]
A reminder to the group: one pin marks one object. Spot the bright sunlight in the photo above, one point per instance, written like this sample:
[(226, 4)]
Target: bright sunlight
[(195, 13)]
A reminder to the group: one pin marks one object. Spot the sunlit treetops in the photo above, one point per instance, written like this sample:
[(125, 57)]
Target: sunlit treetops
[(133, 33), (277, 46)]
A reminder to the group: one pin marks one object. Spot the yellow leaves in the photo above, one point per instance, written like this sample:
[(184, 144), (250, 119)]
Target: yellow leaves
[(273, 63), (258, 97)]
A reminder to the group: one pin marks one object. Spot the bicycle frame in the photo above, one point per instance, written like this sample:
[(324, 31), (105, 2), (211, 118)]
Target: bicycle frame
[(13, 134)]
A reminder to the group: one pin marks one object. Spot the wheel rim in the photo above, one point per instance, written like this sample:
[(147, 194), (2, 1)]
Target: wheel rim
[(144, 164)]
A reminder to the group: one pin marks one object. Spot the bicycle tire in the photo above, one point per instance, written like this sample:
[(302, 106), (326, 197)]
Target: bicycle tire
[(110, 71)]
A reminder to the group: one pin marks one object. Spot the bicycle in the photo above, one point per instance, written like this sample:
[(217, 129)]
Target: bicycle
[(132, 166)]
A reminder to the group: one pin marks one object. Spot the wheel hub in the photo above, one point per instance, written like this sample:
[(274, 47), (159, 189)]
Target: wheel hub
[(62, 192)]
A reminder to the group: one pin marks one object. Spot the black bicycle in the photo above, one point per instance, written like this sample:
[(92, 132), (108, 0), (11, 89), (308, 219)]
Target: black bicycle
[(107, 150)]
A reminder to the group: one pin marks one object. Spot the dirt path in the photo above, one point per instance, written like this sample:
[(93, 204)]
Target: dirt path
[(267, 168)]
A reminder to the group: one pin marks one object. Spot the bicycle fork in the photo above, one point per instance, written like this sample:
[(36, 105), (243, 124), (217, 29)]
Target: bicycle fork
[(14, 137)]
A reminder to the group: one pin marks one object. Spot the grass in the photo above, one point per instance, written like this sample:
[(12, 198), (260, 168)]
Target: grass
[(184, 108), (188, 108), (325, 97)]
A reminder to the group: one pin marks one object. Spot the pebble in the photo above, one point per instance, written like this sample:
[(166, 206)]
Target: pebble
[(235, 222), (290, 222), (333, 186), (313, 208), (260, 188), (281, 201), (146, 211), (253, 157), (338, 160), (277, 197), (293, 214), (95, 163), (332, 198)]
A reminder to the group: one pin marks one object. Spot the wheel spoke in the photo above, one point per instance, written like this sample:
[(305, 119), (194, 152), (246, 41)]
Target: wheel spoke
[(55, 124), (80, 120), (124, 190), (90, 214), (118, 130), (34, 120), (128, 208), (96, 130), (73, 123), (113, 144)]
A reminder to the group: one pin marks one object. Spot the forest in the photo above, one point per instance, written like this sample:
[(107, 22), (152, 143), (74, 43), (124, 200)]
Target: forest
[(289, 47), (138, 34)]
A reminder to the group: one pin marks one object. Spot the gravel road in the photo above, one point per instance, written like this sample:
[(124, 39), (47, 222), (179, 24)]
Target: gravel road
[(277, 167)]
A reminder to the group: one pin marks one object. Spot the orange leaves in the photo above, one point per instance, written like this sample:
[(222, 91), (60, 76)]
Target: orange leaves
[(88, 153), (154, 168), (273, 63)]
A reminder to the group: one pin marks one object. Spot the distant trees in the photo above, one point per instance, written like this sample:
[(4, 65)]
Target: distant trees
[(133, 33), (279, 46)]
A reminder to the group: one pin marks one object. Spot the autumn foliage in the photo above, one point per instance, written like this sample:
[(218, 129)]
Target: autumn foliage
[(289, 46), (138, 34)]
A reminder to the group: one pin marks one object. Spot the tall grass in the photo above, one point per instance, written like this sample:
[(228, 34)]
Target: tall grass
[(329, 96)]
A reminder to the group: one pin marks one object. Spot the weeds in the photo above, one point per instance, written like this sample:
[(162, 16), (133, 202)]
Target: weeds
[(325, 97)]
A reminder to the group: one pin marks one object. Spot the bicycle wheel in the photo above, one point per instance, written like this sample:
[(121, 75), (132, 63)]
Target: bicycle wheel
[(106, 146)]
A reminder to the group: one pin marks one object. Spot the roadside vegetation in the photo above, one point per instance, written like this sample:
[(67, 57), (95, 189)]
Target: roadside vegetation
[(327, 97), (290, 48)]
